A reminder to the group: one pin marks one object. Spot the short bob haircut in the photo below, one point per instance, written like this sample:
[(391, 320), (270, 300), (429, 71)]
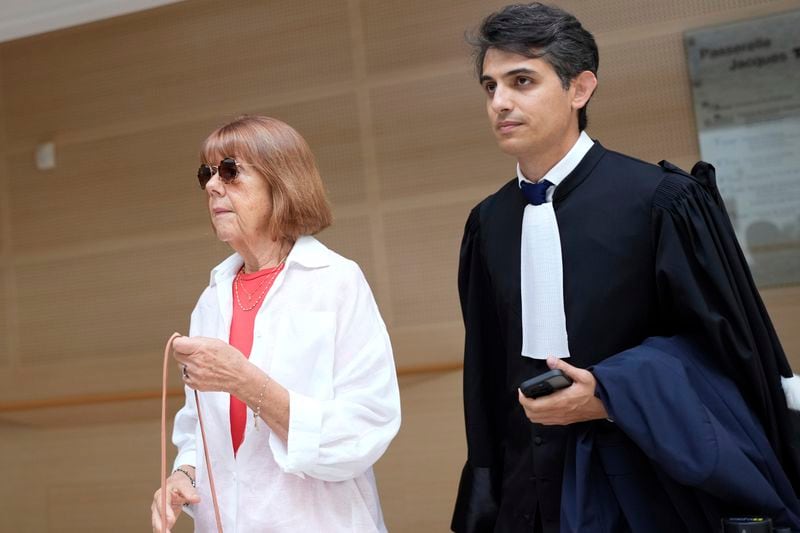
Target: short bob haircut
[(282, 157)]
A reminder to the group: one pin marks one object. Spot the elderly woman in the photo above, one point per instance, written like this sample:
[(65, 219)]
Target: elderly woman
[(299, 391)]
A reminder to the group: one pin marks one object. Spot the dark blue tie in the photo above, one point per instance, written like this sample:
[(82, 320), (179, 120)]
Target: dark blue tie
[(536, 193)]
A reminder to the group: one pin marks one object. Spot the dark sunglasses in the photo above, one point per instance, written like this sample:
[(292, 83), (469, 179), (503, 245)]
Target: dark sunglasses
[(228, 170)]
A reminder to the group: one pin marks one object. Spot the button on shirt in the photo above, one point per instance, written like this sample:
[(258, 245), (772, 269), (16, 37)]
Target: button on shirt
[(544, 325), (326, 343)]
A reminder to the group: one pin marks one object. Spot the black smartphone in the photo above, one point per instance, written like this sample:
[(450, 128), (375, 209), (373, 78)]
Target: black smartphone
[(545, 384)]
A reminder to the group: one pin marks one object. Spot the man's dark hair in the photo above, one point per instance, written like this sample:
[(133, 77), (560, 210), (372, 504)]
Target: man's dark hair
[(538, 30)]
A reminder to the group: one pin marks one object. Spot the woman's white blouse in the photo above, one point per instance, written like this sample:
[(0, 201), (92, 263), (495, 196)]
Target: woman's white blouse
[(320, 335)]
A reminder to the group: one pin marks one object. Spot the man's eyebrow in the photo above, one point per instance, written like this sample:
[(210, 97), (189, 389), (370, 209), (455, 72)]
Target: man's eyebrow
[(521, 70), (513, 72)]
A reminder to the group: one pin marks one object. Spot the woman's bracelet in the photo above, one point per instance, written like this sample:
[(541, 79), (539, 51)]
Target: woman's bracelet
[(257, 410), (186, 474)]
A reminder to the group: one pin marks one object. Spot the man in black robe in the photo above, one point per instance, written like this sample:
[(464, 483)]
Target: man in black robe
[(645, 250)]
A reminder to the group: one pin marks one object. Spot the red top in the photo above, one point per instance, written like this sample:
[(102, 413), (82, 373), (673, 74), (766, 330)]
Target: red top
[(249, 292)]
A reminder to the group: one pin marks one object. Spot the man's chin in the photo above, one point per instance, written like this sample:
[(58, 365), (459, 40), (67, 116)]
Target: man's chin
[(511, 146)]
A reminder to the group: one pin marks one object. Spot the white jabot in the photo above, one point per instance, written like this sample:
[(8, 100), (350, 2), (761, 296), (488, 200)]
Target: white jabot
[(544, 323)]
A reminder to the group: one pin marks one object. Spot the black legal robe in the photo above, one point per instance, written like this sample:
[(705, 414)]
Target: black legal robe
[(647, 250)]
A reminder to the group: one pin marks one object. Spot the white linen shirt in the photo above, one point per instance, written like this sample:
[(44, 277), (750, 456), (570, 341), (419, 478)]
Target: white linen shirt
[(320, 335)]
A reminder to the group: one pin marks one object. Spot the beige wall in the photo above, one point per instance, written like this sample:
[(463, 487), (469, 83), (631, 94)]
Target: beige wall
[(103, 257)]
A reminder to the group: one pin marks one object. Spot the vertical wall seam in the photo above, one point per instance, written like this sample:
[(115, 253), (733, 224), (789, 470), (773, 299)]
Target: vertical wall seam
[(369, 156), (6, 250)]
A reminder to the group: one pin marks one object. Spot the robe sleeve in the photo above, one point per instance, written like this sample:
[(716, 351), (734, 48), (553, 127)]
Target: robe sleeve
[(479, 489), (707, 293)]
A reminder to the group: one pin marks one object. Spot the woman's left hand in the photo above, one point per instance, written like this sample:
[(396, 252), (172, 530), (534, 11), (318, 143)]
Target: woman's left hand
[(208, 364)]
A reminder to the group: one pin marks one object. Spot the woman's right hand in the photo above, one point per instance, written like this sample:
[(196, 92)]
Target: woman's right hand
[(179, 492)]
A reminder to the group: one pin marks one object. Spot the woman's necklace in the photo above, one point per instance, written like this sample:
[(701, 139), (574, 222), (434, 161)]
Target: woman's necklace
[(262, 289), (249, 294)]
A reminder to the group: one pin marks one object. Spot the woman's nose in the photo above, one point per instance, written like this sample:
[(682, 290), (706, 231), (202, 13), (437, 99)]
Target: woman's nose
[(214, 185)]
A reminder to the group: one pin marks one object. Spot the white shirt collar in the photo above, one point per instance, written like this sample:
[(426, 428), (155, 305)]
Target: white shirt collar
[(567, 164), (307, 252)]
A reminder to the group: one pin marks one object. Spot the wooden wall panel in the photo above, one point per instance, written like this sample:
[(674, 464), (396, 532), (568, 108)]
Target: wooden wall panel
[(4, 332), (110, 189), (351, 237), (100, 412), (4, 208), (642, 89), (6, 272), (433, 136), (616, 15), (423, 260), (136, 297), (188, 58), (90, 478), (23, 472), (420, 34), (418, 475), (428, 345), (92, 507)]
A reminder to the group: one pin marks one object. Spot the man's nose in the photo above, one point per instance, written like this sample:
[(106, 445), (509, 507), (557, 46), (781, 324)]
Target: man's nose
[(501, 100)]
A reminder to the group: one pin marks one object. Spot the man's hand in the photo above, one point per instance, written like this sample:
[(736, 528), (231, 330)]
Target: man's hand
[(576, 403)]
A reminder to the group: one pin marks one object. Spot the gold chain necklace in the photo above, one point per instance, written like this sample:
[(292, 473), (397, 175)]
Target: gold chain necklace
[(250, 294), (260, 285), (267, 283)]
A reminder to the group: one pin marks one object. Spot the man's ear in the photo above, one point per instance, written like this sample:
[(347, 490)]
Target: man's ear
[(583, 86)]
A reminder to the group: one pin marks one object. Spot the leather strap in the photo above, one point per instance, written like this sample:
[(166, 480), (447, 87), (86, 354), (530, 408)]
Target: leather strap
[(167, 351)]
